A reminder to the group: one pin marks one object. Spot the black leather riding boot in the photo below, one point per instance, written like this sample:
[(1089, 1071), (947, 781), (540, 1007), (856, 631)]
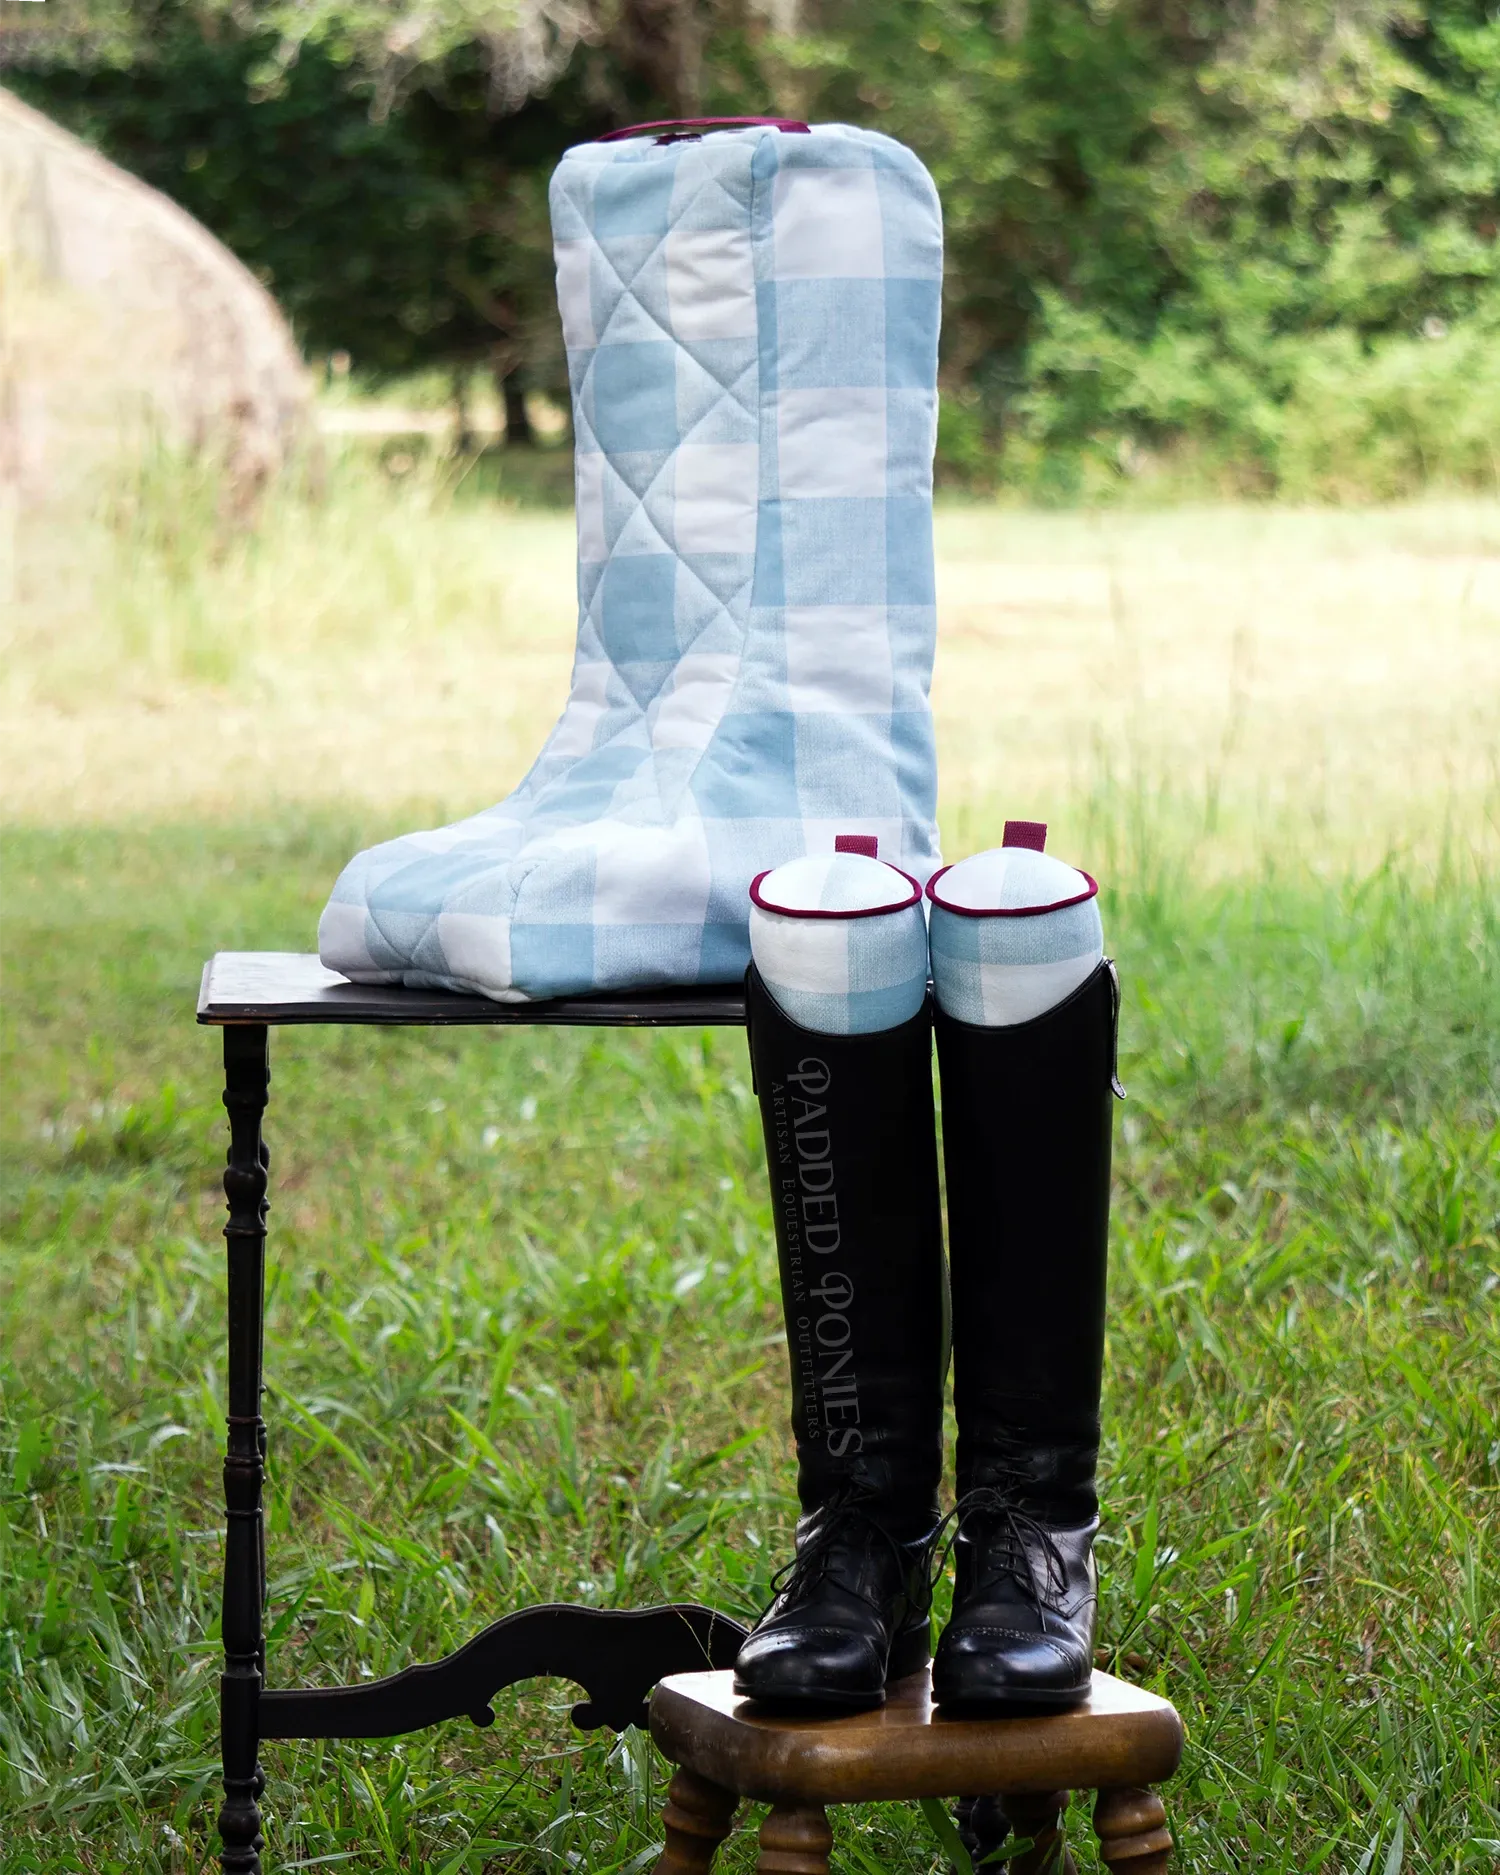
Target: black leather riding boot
[(851, 1146), (1026, 1147)]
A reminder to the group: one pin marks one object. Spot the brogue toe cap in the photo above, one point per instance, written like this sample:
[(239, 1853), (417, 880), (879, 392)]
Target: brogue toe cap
[(810, 1666), (998, 1666)]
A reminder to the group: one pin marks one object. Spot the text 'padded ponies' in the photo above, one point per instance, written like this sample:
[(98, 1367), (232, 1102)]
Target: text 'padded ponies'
[(751, 323), (1013, 931), (840, 940)]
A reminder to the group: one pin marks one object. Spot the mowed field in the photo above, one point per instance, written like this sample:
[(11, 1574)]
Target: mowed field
[(523, 1337), (1328, 681)]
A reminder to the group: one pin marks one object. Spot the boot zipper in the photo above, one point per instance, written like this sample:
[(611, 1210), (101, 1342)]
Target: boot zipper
[(1114, 1063)]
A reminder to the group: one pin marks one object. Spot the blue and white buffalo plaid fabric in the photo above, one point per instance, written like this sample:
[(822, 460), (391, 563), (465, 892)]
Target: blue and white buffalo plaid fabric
[(751, 322), (840, 941), (1014, 932)]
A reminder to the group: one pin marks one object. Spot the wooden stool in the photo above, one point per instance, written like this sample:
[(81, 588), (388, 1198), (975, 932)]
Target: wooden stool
[(1119, 1743)]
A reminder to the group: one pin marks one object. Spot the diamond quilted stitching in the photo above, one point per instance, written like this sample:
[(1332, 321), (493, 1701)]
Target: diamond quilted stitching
[(620, 758)]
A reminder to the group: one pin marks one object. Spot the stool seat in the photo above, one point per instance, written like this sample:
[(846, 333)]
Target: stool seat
[(1119, 1742)]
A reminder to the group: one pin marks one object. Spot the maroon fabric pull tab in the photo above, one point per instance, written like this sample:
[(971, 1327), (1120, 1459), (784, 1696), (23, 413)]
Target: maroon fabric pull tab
[(864, 843), (1029, 833), (675, 127)]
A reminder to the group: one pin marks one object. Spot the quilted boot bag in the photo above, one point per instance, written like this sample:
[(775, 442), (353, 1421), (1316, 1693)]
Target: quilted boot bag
[(841, 1048), (1027, 1009), (751, 321)]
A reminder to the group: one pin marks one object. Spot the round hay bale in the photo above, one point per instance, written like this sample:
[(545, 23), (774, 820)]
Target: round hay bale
[(125, 323)]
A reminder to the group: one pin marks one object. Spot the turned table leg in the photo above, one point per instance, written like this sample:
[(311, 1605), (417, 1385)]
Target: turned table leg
[(697, 1819), (1131, 1826), (794, 1840), (247, 1078), (1038, 1815)]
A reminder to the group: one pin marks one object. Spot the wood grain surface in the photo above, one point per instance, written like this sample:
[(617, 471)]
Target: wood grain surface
[(1121, 1737)]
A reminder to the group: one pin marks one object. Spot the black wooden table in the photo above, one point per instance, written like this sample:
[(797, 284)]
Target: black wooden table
[(616, 1656)]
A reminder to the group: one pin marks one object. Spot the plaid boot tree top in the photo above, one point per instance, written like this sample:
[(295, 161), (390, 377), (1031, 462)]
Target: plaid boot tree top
[(751, 322)]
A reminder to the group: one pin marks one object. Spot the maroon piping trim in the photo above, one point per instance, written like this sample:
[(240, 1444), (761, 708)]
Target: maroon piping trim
[(691, 125), (1009, 911), (870, 911)]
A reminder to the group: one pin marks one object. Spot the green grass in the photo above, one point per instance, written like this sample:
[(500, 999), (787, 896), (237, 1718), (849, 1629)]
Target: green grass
[(524, 1344)]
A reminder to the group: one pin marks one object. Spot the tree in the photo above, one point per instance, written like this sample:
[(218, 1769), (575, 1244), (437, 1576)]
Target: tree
[(1166, 219), (383, 172)]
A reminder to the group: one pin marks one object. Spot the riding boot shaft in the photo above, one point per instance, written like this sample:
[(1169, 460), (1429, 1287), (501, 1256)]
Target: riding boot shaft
[(851, 1149), (1027, 1121), (1027, 1116)]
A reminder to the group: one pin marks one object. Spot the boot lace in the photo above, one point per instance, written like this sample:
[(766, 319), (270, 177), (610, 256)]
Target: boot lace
[(817, 1557), (1007, 1554)]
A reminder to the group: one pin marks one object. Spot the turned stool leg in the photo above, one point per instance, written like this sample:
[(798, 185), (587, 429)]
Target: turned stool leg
[(794, 1840), (1132, 1829), (1038, 1815), (983, 1829), (697, 1816)]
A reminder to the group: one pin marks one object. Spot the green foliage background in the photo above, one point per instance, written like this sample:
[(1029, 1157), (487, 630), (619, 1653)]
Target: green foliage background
[(1190, 242)]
